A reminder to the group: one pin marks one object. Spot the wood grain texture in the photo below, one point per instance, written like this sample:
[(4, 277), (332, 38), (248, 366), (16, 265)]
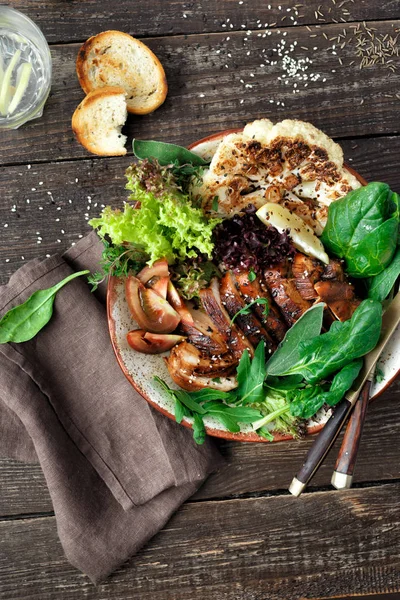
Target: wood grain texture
[(257, 548), (63, 190), (75, 20), (250, 468), (216, 83)]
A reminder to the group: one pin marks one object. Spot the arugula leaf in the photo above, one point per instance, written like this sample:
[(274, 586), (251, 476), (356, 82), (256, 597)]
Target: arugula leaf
[(207, 394), (250, 376), (214, 205), (362, 228), (288, 353), (166, 154), (379, 287), (327, 353), (186, 399), (24, 321), (179, 411), (212, 403), (199, 431), (246, 310), (243, 414)]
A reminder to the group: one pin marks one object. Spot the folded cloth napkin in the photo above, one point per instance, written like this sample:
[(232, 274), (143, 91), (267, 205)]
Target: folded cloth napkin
[(115, 468)]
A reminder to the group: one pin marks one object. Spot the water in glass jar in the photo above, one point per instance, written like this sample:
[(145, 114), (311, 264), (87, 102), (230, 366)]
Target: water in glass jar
[(16, 45)]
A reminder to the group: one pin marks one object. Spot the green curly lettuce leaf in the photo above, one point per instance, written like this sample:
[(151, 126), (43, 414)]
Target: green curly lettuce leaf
[(160, 220)]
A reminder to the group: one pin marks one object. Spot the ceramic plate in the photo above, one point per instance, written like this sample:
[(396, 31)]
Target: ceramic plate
[(141, 368)]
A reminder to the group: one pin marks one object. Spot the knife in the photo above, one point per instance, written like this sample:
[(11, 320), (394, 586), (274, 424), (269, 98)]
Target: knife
[(327, 436), (342, 476)]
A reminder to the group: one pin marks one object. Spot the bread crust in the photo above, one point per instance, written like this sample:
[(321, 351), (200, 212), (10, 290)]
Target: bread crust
[(104, 39), (79, 118)]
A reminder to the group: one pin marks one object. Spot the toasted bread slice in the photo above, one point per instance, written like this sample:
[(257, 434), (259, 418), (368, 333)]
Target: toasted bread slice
[(117, 59), (98, 120)]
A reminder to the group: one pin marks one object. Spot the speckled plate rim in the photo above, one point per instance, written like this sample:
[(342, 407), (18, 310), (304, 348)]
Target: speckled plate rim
[(112, 299)]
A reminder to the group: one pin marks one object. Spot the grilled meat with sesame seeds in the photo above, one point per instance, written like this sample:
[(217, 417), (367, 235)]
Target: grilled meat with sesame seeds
[(252, 290), (182, 366), (249, 324), (211, 301), (306, 271), (285, 294)]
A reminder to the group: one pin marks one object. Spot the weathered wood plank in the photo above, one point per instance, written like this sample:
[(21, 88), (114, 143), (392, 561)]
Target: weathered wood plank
[(54, 188), (251, 468), (322, 545), (217, 83), (78, 20)]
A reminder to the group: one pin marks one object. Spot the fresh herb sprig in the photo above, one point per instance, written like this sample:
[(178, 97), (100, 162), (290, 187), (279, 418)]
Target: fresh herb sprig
[(246, 310), (118, 261)]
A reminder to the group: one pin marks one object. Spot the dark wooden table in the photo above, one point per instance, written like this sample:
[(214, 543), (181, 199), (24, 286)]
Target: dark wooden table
[(242, 536)]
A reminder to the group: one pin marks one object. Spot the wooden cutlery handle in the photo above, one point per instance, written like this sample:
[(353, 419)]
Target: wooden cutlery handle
[(344, 468), (320, 447)]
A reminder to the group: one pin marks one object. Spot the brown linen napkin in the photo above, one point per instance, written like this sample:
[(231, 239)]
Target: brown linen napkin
[(116, 469)]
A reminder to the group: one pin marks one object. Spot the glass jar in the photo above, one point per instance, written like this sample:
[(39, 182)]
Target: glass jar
[(25, 69)]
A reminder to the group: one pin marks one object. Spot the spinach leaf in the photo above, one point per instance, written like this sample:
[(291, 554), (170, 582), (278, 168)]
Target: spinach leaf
[(327, 353), (307, 401), (379, 286), (283, 384), (374, 253), (23, 322), (342, 382), (396, 200), (166, 154), (308, 326), (250, 376), (362, 228)]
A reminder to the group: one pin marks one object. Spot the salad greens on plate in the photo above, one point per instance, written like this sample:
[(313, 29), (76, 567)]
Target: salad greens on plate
[(310, 368)]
